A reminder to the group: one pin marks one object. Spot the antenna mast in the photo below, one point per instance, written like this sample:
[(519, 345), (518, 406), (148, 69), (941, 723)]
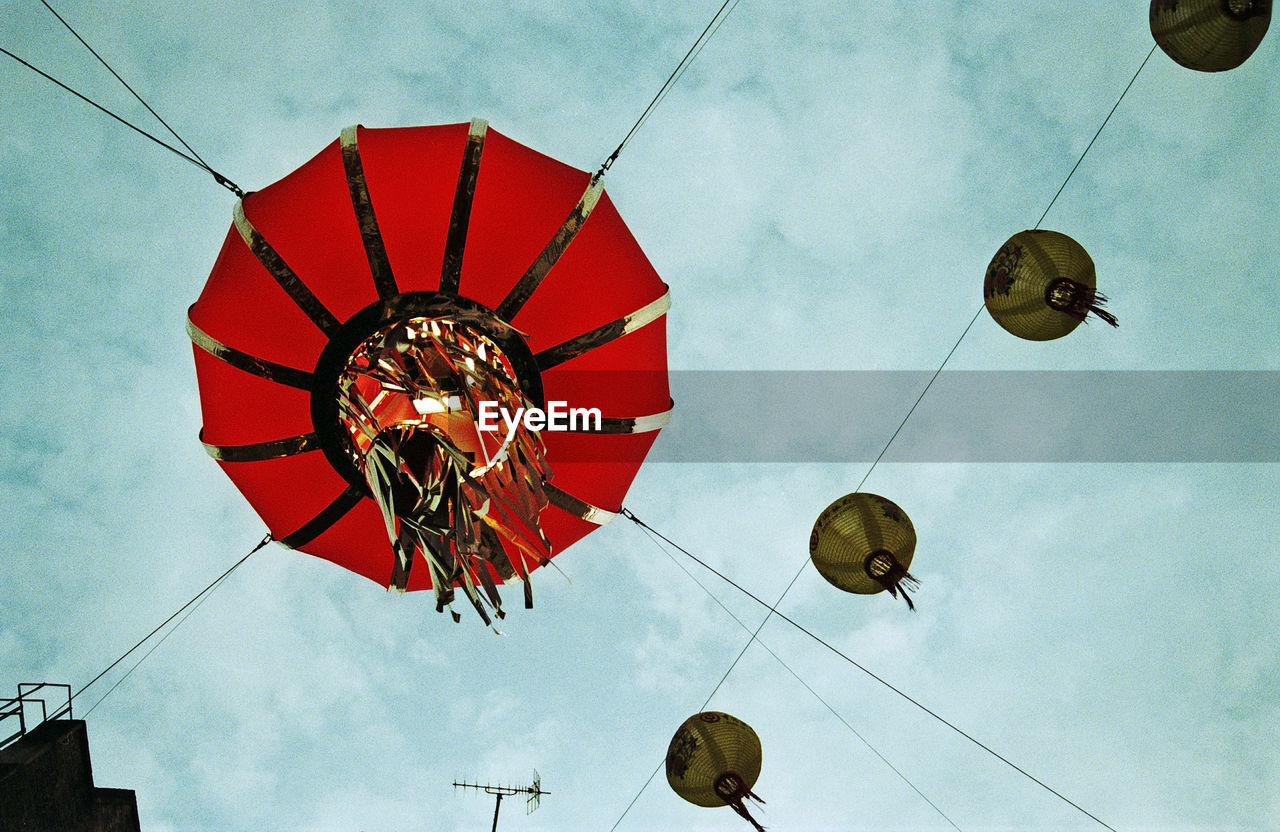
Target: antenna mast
[(534, 791)]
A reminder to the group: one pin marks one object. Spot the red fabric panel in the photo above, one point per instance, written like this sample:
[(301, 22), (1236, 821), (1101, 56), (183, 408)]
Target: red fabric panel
[(522, 198), (626, 377), (287, 492), (246, 408), (605, 473), (602, 276), (358, 542), (625, 450), (308, 219), (419, 575), (412, 174), (243, 307), (563, 530)]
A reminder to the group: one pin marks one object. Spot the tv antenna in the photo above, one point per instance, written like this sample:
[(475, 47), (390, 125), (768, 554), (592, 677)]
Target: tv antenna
[(534, 791)]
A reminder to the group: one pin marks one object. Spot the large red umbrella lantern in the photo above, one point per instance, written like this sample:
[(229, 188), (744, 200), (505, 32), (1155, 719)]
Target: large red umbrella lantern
[(370, 308)]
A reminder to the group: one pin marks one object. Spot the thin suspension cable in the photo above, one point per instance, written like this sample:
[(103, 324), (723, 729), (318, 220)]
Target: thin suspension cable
[(176, 613), (662, 94), (218, 177), (652, 775), (753, 640), (630, 516), (796, 676), (941, 366), (708, 32), (1114, 107), (88, 100), (213, 588), (772, 609), (103, 61), (916, 404)]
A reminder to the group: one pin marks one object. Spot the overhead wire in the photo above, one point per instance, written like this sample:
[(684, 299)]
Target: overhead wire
[(160, 641), (201, 594), (654, 538), (103, 61), (191, 155), (662, 94), (951, 352), (772, 608), (197, 160), (712, 27), (880, 679), (708, 32), (120, 119), (1101, 127)]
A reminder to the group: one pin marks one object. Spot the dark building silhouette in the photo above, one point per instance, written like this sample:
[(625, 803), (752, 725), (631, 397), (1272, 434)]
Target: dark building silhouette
[(46, 785)]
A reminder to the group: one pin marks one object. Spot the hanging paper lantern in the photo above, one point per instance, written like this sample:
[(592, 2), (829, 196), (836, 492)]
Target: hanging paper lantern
[(1210, 35), (714, 760), (1041, 285), (863, 543), (373, 313)]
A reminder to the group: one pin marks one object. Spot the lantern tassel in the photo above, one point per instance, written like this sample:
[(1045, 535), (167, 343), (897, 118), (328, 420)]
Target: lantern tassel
[(910, 581), (1096, 306), (471, 509), (741, 808), (899, 580)]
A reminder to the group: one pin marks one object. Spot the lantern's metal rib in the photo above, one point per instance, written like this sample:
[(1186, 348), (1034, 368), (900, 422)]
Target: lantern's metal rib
[(376, 252), (260, 367), (624, 424), (259, 451), (285, 276), (329, 515), (533, 277), (601, 335), (451, 270), (578, 507)]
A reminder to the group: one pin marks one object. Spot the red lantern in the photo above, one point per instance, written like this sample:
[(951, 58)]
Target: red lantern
[(365, 308)]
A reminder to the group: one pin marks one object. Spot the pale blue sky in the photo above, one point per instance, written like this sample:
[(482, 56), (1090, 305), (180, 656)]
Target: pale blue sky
[(822, 191)]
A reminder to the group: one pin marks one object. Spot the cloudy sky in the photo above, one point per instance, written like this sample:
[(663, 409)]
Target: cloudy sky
[(822, 191)]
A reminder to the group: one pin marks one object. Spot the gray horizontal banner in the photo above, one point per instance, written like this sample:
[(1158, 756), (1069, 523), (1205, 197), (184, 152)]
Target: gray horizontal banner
[(971, 416)]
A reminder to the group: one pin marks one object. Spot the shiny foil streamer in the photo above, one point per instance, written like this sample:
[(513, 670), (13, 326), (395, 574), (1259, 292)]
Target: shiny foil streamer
[(465, 501)]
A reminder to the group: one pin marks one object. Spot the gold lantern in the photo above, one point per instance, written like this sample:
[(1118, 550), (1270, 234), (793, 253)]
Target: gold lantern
[(714, 760), (1041, 285), (863, 543)]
